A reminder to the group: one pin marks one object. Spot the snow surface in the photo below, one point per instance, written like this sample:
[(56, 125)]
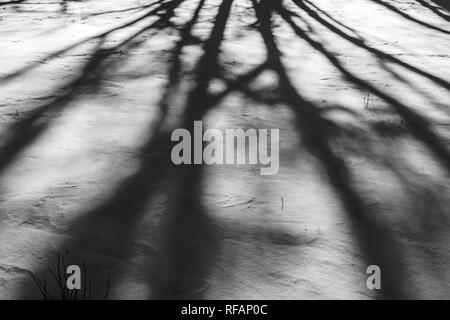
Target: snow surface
[(84, 155)]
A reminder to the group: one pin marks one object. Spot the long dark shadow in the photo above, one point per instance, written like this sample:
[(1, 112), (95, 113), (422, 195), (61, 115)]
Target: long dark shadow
[(361, 43), (187, 230), (396, 10), (442, 3), (376, 239), (162, 6), (440, 8), (6, 3), (24, 132), (381, 56), (189, 239)]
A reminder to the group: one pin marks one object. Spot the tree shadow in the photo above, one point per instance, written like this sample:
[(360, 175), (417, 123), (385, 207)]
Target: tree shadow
[(439, 7), (28, 129), (189, 239), (420, 127), (392, 7), (321, 136), (442, 3), (7, 3)]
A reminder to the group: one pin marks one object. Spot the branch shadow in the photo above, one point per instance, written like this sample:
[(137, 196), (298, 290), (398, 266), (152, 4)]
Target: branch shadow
[(321, 136), (188, 238), (27, 130), (439, 7), (389, 5)]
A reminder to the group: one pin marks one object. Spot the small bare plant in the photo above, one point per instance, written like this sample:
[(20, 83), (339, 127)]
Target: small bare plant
[(59, 279)]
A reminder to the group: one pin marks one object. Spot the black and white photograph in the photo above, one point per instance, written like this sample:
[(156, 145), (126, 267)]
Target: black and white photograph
[(224, 150)]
